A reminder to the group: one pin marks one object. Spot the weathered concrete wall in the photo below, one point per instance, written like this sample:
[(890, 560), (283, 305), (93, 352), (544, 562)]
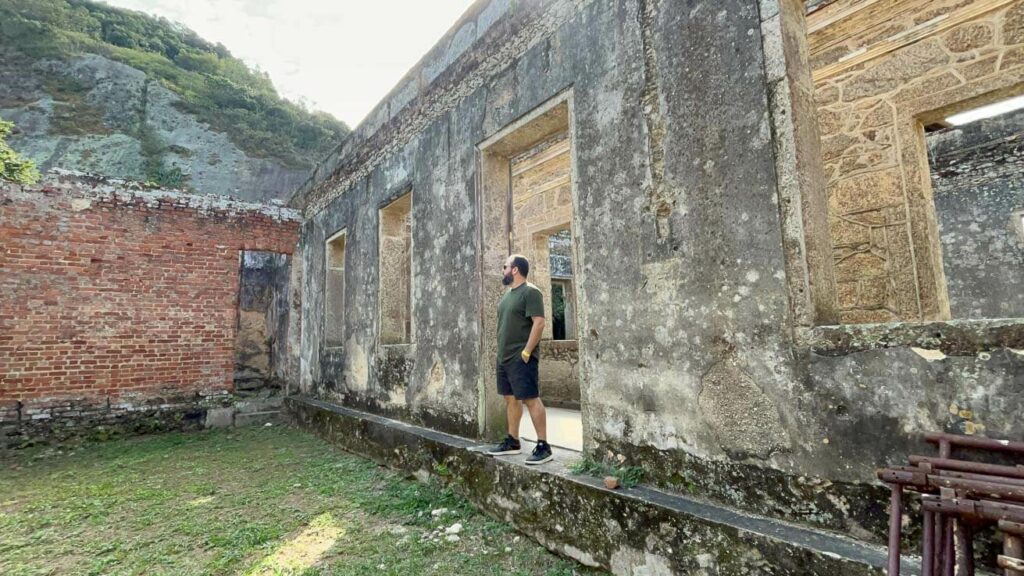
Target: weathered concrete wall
[(963, 377), (701, 253), (670, 356), (978, 184), (433, 379), (261, 336), (881, 72)]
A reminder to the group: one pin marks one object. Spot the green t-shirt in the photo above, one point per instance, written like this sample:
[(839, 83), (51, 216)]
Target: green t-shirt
[(515, 320)]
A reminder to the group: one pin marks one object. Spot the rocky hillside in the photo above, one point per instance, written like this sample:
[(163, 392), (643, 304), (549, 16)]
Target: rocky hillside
[(99, 89)]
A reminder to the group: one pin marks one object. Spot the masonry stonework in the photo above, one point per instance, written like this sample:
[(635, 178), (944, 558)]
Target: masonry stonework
[(881, 74), (703, 256), (763, 266), (119, 303)]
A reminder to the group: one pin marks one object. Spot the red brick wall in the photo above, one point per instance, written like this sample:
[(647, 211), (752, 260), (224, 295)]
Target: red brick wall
[(114, 293)]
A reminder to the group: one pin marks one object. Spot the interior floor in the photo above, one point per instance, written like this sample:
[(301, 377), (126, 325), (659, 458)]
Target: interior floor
[(565, 428)]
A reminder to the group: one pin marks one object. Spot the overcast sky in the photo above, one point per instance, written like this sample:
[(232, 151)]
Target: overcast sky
[(340, 56)]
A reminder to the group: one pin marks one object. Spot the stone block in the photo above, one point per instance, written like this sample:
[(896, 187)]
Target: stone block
[(1012, 58), (863, 191), (830, 122), (905, 65), (980, 68), (259, 405), (880, 115), (927, 87), (859, 267), (847, 294), (825, 95), (967, 37), (219, 418), (1013, 25)]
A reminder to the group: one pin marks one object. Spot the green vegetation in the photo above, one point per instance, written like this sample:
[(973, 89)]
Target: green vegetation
[(12, 166), (628, 476), (213, 85), (73, 116), (153, 148), (251, 501)]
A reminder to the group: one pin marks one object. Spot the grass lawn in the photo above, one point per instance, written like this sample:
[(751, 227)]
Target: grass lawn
[(251, 501)]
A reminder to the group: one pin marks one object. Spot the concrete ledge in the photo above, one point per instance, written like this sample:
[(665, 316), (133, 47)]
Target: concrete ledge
[(952, 337), (631, 531)]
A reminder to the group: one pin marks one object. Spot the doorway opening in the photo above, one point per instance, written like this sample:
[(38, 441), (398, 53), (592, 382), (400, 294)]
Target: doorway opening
[(261, 329), (527, 203)]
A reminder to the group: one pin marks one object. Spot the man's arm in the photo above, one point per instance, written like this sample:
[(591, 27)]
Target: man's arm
[(535, 332)]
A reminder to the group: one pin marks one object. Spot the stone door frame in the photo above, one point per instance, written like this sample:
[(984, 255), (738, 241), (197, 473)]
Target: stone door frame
[(494, 198), (910, 118)]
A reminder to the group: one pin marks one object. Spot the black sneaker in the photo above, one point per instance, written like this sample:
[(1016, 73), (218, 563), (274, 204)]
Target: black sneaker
[(541, 454), (508, 446)]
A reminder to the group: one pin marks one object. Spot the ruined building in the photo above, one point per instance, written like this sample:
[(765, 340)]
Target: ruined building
[(125, 308), (775, 257)]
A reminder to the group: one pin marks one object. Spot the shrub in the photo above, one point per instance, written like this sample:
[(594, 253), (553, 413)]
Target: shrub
[(13, 167)]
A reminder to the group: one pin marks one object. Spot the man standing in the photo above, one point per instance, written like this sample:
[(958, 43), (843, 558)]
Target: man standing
[(520, 323)]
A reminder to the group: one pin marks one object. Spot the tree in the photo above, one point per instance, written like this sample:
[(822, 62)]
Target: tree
[(12, 166)]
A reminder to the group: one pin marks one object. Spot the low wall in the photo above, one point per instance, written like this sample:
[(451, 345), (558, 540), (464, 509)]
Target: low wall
[(559, 375), (630, 531), (119, 302), (868, 394)]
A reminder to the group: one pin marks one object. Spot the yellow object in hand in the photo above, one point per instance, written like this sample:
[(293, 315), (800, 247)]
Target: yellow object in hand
[(526, 356)]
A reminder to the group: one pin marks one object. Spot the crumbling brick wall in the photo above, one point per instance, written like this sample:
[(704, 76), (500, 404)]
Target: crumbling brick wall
[(117, 300)]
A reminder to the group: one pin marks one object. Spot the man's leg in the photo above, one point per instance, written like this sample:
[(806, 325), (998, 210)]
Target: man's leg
[(539, 417), (509, 445), (541, 452), (515, 414)]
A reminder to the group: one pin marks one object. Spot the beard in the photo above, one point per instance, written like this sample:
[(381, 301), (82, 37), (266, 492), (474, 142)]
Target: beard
[(506, 280)]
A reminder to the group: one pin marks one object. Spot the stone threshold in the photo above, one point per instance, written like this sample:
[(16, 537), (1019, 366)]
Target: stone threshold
[(639, 530)]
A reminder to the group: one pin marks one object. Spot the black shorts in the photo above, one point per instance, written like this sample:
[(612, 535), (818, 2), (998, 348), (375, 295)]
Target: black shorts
[(519, 379)]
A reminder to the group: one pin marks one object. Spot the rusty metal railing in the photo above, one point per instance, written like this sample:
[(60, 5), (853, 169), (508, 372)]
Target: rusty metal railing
[(959, 498)]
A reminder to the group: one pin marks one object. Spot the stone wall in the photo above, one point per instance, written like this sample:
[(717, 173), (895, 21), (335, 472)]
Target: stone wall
[(978, 184), (396, 271), (676, 144), (261, 351), (880, 75), (119, 302), (702, 257)]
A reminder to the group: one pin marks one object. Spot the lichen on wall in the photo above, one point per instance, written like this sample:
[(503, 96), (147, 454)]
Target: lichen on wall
[(696, 353), (978, 190)]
